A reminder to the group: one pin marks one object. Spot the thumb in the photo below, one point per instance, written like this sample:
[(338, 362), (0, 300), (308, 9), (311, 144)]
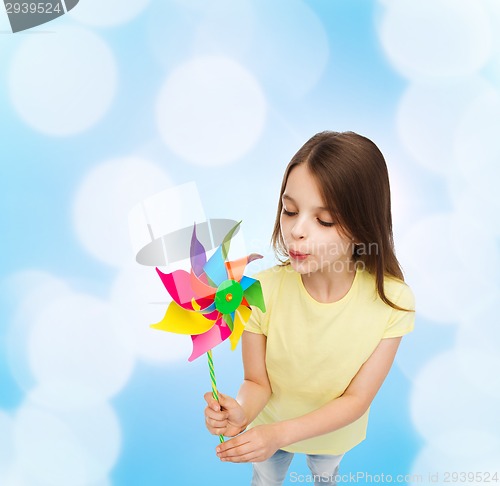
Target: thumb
[(225, 400), (211, 401)]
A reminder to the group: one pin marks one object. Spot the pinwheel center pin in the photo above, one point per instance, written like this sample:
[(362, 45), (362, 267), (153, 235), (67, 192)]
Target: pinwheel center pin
[(228, 296)]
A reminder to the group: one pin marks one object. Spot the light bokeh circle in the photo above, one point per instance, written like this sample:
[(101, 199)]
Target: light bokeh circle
[(63, 84), (139, 299), (6, 443), (109, 13), (477, 146), (211, 111), (103, 201), (31, 290), (467, 451), (477, 344), (441, 396), (474, 203), (292, 38), (77, 448), (445, 268), (73, 340), (436, 38), (428, 118)]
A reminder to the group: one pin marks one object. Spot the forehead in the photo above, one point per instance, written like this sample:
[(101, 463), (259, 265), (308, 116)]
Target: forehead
[(302, 187)]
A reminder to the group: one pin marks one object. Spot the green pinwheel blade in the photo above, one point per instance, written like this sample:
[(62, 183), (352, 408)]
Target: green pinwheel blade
[(215, 269), (254, 296), (229, 320), (226, 243)]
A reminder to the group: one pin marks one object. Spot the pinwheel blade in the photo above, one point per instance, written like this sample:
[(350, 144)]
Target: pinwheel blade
[(242, 316), (236, 268), (215, 269), (208, 340), (253, 295), (228, 319), (226, 242), (245, 282), (178, 285), (182, 321), (200, 288), (197, 254)]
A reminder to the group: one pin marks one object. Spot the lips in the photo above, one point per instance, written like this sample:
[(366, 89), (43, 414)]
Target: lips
[(297, 255)]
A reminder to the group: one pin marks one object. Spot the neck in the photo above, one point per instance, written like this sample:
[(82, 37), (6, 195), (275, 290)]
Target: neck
[(329, 286)]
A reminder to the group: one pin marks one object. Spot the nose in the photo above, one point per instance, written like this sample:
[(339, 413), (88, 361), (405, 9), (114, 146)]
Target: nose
[(299, 230)]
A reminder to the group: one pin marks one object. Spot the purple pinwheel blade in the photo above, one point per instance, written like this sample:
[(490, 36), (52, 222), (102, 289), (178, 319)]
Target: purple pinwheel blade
[(197, 254)]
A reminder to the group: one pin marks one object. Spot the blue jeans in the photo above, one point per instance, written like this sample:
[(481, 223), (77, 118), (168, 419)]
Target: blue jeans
[(272, 472)]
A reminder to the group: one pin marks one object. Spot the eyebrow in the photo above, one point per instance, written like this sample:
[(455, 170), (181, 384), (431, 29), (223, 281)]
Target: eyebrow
[(286, 197)]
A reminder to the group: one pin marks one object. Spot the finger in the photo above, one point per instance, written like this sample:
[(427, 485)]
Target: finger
[(217, 430), (241, 459), (215, 423), (226, 401), (211, 401), (247, 456), (230, 445), (216, 415)]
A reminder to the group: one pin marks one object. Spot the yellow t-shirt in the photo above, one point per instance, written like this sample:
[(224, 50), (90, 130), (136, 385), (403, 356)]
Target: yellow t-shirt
[(315, 349)]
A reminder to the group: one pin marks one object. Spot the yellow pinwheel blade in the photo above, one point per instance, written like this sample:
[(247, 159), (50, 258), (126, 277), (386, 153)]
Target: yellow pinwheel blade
[(241, 316), (182, 321)]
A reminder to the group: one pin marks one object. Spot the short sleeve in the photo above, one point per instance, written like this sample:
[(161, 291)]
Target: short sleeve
[(254, 324), (401, 322)]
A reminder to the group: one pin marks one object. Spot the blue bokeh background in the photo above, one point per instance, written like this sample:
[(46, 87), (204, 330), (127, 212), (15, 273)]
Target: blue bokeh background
[(412, 76)]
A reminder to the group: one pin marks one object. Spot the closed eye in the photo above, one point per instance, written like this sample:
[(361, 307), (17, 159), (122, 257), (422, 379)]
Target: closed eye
[(288, 213), (325, 223)]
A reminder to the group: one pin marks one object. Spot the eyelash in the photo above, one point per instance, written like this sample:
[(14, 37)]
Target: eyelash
[(322, 223)]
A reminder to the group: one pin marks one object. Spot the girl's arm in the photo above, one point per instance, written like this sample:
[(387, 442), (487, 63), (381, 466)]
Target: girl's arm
[(254, 393), (261, 442), (255, 390)]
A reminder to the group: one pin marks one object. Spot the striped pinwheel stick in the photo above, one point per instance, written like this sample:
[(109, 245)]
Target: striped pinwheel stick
[(214, 382)]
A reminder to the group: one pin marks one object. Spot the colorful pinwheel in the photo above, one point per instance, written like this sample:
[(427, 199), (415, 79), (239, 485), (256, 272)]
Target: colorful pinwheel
[(212, 302)]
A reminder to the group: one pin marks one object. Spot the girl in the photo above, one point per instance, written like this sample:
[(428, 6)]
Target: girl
[(337, 307)]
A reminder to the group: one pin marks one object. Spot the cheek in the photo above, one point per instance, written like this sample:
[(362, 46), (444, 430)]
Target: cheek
[(283, 227)]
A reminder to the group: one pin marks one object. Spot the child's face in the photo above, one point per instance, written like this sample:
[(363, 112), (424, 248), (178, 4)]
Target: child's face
[(313, 240)]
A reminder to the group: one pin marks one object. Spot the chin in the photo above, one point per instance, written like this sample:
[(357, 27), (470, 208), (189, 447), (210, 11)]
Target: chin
[(304, 268)]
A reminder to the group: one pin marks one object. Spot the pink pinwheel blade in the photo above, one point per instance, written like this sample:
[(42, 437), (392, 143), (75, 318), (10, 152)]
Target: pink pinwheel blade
[(178, 285), (200, 288), (208, 340)]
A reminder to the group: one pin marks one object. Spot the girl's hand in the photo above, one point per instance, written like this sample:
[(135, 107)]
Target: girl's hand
[(255, 445), (224, 417)]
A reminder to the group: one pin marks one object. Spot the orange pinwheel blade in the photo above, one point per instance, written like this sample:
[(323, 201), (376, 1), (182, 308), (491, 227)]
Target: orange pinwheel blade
[(182, 321), (236, 268)]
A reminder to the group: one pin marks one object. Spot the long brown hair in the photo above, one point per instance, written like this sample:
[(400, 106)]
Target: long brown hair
[(352, 176)]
